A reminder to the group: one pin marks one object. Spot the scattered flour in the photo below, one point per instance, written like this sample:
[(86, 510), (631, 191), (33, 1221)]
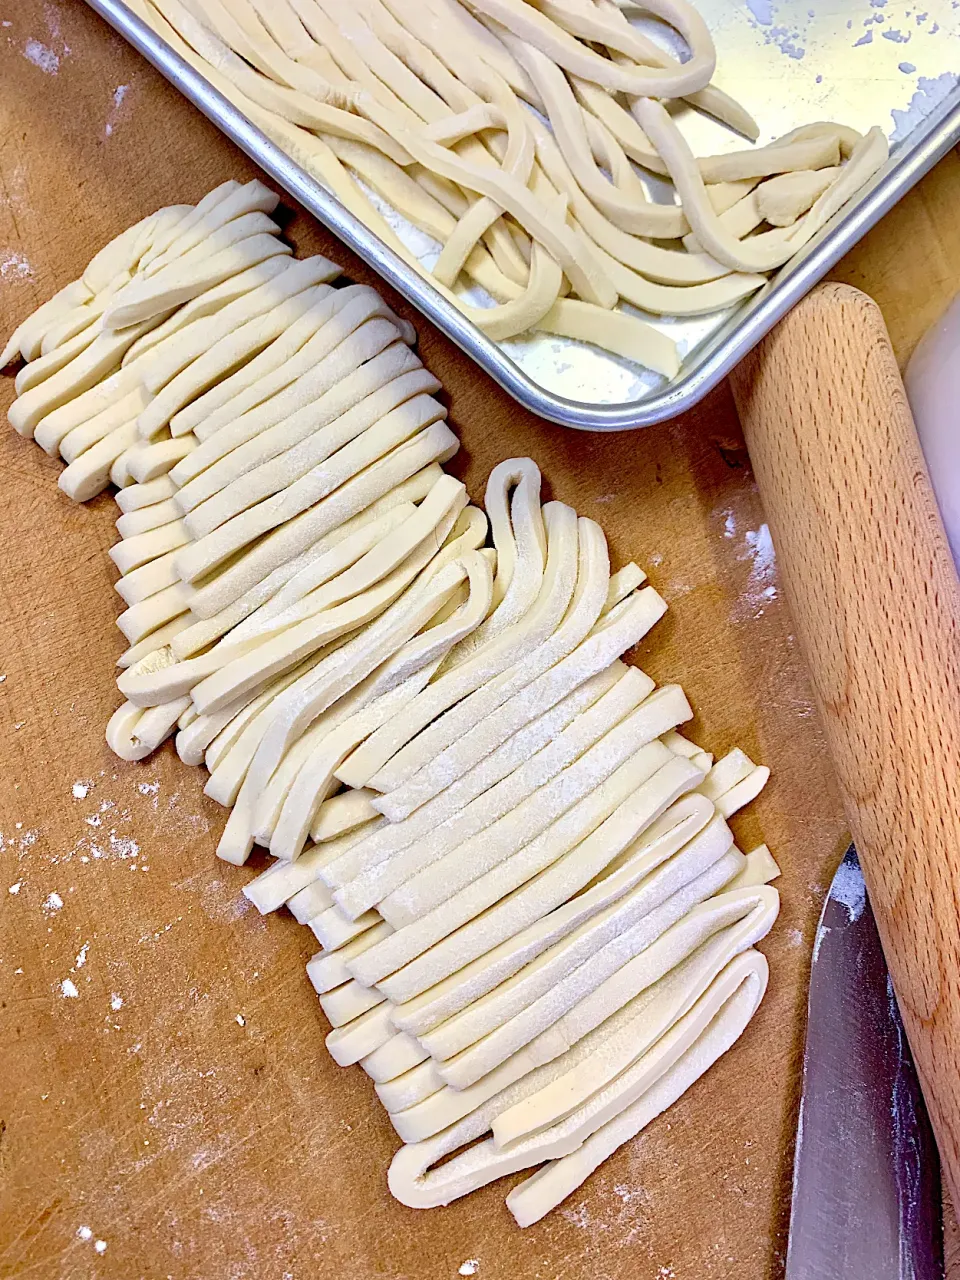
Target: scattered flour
[(81, 790), (14, 266), (241, 1020), (757, 550), (578, 1217), (15, 888), (68, 989), (470, 1267), (41, 57), (930, 93), (848, 888), (85, 1234), (116, 1002), (119, 93), (53, 904), (81, 959)]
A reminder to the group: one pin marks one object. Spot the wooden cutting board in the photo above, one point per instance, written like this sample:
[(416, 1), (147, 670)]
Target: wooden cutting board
[(167, 1107)]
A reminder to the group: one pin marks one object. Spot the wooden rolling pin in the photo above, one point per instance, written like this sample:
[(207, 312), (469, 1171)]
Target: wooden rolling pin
[(876, 603)]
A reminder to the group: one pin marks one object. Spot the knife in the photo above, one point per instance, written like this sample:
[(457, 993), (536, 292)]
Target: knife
[(866, 1185)]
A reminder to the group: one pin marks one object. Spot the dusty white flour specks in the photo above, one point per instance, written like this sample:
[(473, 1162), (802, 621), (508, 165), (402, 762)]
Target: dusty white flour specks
[(84, 1233), (470, 1267), (848, 888), (15, 888), (578, 1217), (41, 57), (116, 1002), (757, 550), (52, 904), (14, 266), (81, 790), (81, 959), (68, 989), (119, 93)]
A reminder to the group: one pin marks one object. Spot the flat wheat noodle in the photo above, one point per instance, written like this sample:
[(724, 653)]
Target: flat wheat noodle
[(316, 776), (354, 461), (326, 969), (290, 541), (424, 104), (558, 962), (558, 1179), (22, 341), (366, 712), (336, 675), (699, 868), (290, 103), (703, 942), (402, 951), (620, 629), (662, 265), (340, 814), (590, 593), (421, 58), (329, 562), (510, 646), (522, 828), (237, 246), (209, 629), (388, 567), (239, 664), (37, 371), (727, 1007), (137, 496), (475, 818), (309, 437), (205, 305), (579, 1001), (139, 584), (691, 822), (512, 503), (513, 903), (624, 966), (190, 341), (711, 100), (75, 426), (664, 864), (151, 460), (537, 30), (97, 360), (369, 869), (189, 229), (254, 382), (329, 354), (867, 157), (621, 197), (233, 350)]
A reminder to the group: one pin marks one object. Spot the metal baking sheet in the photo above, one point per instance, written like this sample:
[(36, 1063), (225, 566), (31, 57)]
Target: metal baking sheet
[(862, 62)]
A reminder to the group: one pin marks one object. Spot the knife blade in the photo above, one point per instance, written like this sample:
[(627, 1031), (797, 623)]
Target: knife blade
[(866, 1184)]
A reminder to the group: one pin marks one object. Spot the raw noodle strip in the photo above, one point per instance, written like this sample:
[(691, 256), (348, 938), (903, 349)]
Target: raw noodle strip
[(536, 625), (473, 820)]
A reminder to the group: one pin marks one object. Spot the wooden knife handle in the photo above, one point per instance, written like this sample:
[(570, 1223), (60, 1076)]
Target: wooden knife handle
[(876, 603)]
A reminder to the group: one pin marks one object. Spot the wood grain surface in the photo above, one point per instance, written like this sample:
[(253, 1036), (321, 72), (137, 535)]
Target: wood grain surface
[(869, 576), (178, 1116)]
